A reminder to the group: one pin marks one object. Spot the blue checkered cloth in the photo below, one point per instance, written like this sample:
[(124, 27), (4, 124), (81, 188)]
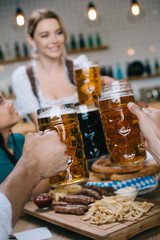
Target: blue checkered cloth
[(141, 183)]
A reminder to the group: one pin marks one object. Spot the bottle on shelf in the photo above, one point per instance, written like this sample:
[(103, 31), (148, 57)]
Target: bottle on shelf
[(8, 51), (156, 67), (147, 67), (25, 50), (1, 54), (98, 40), (90, 41), (110, 72), (119, 74), (128, 72), (67, 46), (17, 50), (10, 90), (103, 71), (73, 43), (81, 41)]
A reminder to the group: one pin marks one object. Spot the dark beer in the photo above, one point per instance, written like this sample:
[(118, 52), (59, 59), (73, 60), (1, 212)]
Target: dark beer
[(88, 83), (65, 122), (92, 132), (121, 127)]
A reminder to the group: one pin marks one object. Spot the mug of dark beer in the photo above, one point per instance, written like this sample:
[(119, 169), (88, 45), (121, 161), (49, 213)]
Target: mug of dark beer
[(63, 119), (92, 131), (121, 127)]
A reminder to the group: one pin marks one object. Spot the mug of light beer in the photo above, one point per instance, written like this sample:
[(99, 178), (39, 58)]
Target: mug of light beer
[(88, 83), (63, 119), (120, 126)]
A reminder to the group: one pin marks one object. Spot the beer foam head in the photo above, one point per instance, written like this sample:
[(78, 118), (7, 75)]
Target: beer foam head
[(119, 88), (85, 65), (43, 114), (55, 111), (85, 109)]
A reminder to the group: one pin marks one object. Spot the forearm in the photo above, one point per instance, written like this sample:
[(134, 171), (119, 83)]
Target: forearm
[(33, 117), (154, 149), (18, 186)]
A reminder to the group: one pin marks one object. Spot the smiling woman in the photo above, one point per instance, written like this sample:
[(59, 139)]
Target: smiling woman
[(11, 145), (50, 79)]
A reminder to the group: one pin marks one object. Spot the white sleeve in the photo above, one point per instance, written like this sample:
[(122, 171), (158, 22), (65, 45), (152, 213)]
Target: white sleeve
[(26, 100), (5, 217)]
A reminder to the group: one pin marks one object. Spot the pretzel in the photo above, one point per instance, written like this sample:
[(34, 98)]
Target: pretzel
[(146, 171), (103, 165)]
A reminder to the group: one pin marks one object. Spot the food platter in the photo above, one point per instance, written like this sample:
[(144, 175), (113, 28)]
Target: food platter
[(110, 231)]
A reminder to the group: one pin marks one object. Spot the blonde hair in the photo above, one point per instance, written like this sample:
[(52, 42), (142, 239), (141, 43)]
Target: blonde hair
[(41, 14)]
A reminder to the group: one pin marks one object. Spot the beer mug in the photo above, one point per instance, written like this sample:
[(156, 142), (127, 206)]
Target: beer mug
[(92, 132), (87, 77), (63, 119), (120, 126)]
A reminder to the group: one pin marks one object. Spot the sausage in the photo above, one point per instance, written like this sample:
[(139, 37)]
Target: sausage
[(107, 191), (73, 209), (79, 199), (59, 204), (103, 191), (90, 193)]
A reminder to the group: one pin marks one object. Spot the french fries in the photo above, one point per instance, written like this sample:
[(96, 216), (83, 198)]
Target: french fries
[(116, 208)]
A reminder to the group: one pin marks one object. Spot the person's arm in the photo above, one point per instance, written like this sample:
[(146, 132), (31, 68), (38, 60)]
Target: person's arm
[(105, 80), (149, 122), (18, 186), (33, 117), (43, 156)]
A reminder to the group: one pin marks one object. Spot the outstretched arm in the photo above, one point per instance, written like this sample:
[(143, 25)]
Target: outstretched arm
[(149, 122), (43, 156)]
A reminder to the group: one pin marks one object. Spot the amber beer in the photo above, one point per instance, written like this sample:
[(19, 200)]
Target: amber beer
[(64, 120), (88, 82), (120, 126)]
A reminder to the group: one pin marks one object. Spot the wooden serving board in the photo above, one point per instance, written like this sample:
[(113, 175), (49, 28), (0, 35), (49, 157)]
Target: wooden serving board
[(110, 231)]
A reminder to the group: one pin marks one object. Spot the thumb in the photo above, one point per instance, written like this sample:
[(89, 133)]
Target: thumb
[(135, 109)]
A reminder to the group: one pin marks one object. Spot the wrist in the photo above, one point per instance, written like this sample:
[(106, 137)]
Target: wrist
[(30, 169)]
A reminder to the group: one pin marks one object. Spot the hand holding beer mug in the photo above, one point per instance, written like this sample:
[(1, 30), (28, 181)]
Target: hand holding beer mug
[(64, 120), (120, 126), (88, 82)]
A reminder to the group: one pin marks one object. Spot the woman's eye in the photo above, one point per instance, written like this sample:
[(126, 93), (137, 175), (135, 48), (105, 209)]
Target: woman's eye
[(44, 36), (60, 32)]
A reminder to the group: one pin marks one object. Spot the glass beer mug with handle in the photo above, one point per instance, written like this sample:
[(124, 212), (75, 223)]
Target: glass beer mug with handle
[(63, 119), (120, 126), (92, 132), (88, 83)]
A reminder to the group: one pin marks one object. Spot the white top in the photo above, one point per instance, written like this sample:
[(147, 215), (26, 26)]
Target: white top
[(5, 217), (25, 97)]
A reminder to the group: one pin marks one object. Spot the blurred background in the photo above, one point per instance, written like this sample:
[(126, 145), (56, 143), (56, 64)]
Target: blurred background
[(124, 45)]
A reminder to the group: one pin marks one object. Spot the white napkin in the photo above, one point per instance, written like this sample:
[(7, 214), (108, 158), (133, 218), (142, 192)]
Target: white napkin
[(42, 233)]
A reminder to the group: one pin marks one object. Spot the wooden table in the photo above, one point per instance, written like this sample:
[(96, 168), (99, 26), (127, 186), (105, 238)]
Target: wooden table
[(24, 127), (27, 222), (154, 105)]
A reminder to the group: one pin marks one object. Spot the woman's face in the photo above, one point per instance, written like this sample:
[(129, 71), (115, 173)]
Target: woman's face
[(8, 115), (49, 38)]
